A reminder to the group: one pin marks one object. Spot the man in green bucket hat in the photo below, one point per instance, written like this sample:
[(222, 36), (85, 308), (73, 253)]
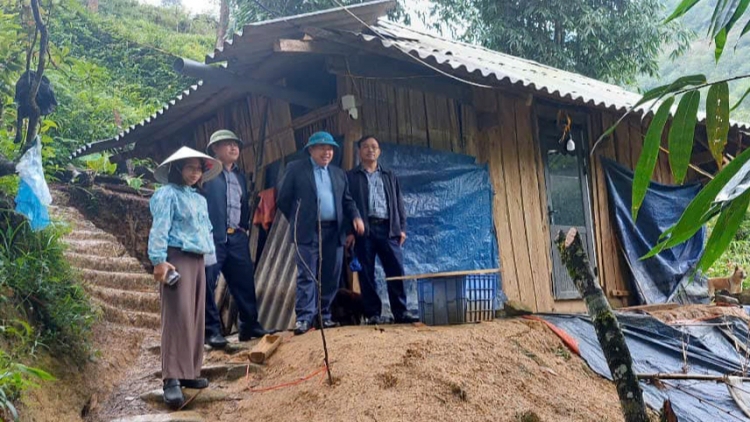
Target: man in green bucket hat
[(229, 212), (315, 194)]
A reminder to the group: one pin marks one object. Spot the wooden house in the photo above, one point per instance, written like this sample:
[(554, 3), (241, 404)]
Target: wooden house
[(284, 79)]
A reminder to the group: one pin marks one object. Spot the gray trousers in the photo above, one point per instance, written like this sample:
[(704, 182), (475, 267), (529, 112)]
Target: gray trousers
[(183, 317)]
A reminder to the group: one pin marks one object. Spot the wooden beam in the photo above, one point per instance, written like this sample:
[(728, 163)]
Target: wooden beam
[(402, 75), (310, 47)]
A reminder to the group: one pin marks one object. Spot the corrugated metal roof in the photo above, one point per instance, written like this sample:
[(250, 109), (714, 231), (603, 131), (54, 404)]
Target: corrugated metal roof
[(275, 278), (461, 58), (260, 36), (255, 44)]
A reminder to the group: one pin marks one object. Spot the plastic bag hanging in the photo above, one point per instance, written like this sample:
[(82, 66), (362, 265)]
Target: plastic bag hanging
[(33, 196)]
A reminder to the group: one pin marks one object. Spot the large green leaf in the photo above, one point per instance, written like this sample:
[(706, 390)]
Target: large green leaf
[(681, 9), (720, 42), (726, 226), (724, 15), (681, 134), (696, 213), (718, 9), (717, 120), (677, 85), (737, 14), (650, 153)]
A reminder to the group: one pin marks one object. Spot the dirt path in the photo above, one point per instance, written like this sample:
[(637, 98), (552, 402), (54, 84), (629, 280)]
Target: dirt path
[(507, 370)]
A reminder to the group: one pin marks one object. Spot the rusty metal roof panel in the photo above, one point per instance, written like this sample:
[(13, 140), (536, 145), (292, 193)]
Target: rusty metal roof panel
[(275, 278), (258, 37)]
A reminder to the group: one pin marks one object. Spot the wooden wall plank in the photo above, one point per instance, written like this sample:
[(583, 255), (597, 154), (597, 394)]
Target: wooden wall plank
[(534, 218), (418, 119), (636, 139), (612, 275), (403, 117), (438, 122), (622, 143), (488, 151), (513, 181), (469, 130), (457, 141)]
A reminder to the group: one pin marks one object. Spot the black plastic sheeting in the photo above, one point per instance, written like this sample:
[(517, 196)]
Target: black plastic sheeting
[(669, 276), (658, 348), (450, 226)]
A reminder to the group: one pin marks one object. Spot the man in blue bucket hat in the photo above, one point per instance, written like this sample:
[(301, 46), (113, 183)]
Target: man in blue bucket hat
[(315, 194)]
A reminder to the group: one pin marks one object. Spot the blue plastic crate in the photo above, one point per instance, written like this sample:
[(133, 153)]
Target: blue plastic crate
[(457, 300)]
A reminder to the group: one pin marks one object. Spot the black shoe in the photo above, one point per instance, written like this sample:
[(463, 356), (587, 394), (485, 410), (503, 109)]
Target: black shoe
[(407, 319), (257, 332), (301, 327), (173, 393), (375, 320), (217, 341), (197, 384), (330, 324)]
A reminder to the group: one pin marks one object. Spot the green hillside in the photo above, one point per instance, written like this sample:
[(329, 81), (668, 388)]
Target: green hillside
[(700, 58), (110, 69)]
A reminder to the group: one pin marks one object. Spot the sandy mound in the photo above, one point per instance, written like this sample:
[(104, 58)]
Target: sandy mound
[(492, 371), (696, 312)]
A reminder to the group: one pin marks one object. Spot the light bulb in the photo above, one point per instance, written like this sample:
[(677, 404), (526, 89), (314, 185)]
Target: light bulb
[(570, 146)]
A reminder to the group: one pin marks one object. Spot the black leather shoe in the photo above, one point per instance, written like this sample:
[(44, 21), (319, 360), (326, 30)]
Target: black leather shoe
[(173, 393), (197, 384), (301, 327), (406, 319), (257, 332), (217, 341), (330, 324), (375, 320)]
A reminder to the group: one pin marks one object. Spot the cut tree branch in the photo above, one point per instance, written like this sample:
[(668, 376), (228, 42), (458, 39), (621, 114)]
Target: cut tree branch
[(43, 45), (605, 323)]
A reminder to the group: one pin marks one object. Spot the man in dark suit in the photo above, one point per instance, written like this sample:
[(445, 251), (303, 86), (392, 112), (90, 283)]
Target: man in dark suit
[(229, 212), (377, 193), (314, 193)]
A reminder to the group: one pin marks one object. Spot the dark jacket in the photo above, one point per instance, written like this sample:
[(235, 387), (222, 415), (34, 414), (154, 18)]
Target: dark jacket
[(298, 185), (215, 192), (360, 190)]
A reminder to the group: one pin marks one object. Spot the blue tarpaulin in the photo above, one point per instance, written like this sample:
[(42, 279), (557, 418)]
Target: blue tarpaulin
[(668, 276), (703, 348), (448, 201)]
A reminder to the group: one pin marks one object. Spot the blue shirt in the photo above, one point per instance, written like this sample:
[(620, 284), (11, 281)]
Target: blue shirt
[(377, 202), (180, 220), (324, 187)]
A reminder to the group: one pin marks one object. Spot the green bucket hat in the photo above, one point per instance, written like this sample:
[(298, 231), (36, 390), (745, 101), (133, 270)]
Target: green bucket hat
[(321, 138), (223, 135)]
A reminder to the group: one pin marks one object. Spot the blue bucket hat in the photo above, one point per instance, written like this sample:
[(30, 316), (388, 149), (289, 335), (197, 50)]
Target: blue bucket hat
[(321, 138)]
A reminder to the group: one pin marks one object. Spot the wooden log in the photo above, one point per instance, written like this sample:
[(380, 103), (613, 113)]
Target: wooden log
[(446, 274), (694, 377), (605, 323), (265, 348)]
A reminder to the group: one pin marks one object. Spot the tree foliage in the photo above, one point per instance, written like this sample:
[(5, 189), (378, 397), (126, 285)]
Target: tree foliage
[(611, 40), (727, 195)]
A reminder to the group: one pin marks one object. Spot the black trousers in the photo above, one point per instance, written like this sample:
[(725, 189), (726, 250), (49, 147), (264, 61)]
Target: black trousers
[(232, 260), (377, 243)]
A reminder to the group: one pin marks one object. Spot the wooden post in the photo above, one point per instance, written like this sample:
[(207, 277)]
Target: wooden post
[(607, 329), (265, 348), (350, 128)]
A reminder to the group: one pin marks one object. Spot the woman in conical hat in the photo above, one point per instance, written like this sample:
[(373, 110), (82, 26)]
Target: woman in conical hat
[(178, 244)]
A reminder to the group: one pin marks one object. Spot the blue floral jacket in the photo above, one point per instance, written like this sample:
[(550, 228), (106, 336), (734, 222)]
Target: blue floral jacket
[(180, 220)]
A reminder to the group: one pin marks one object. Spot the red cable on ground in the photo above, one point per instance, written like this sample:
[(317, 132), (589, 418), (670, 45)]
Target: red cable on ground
[(288, 384)]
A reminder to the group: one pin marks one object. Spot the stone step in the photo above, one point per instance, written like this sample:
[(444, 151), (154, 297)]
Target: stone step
[(126, 299), (86, 234), (123, 264), (225, 371), (125, 281), (96, 247), (164, 417), (129, 318), (208, 395)]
